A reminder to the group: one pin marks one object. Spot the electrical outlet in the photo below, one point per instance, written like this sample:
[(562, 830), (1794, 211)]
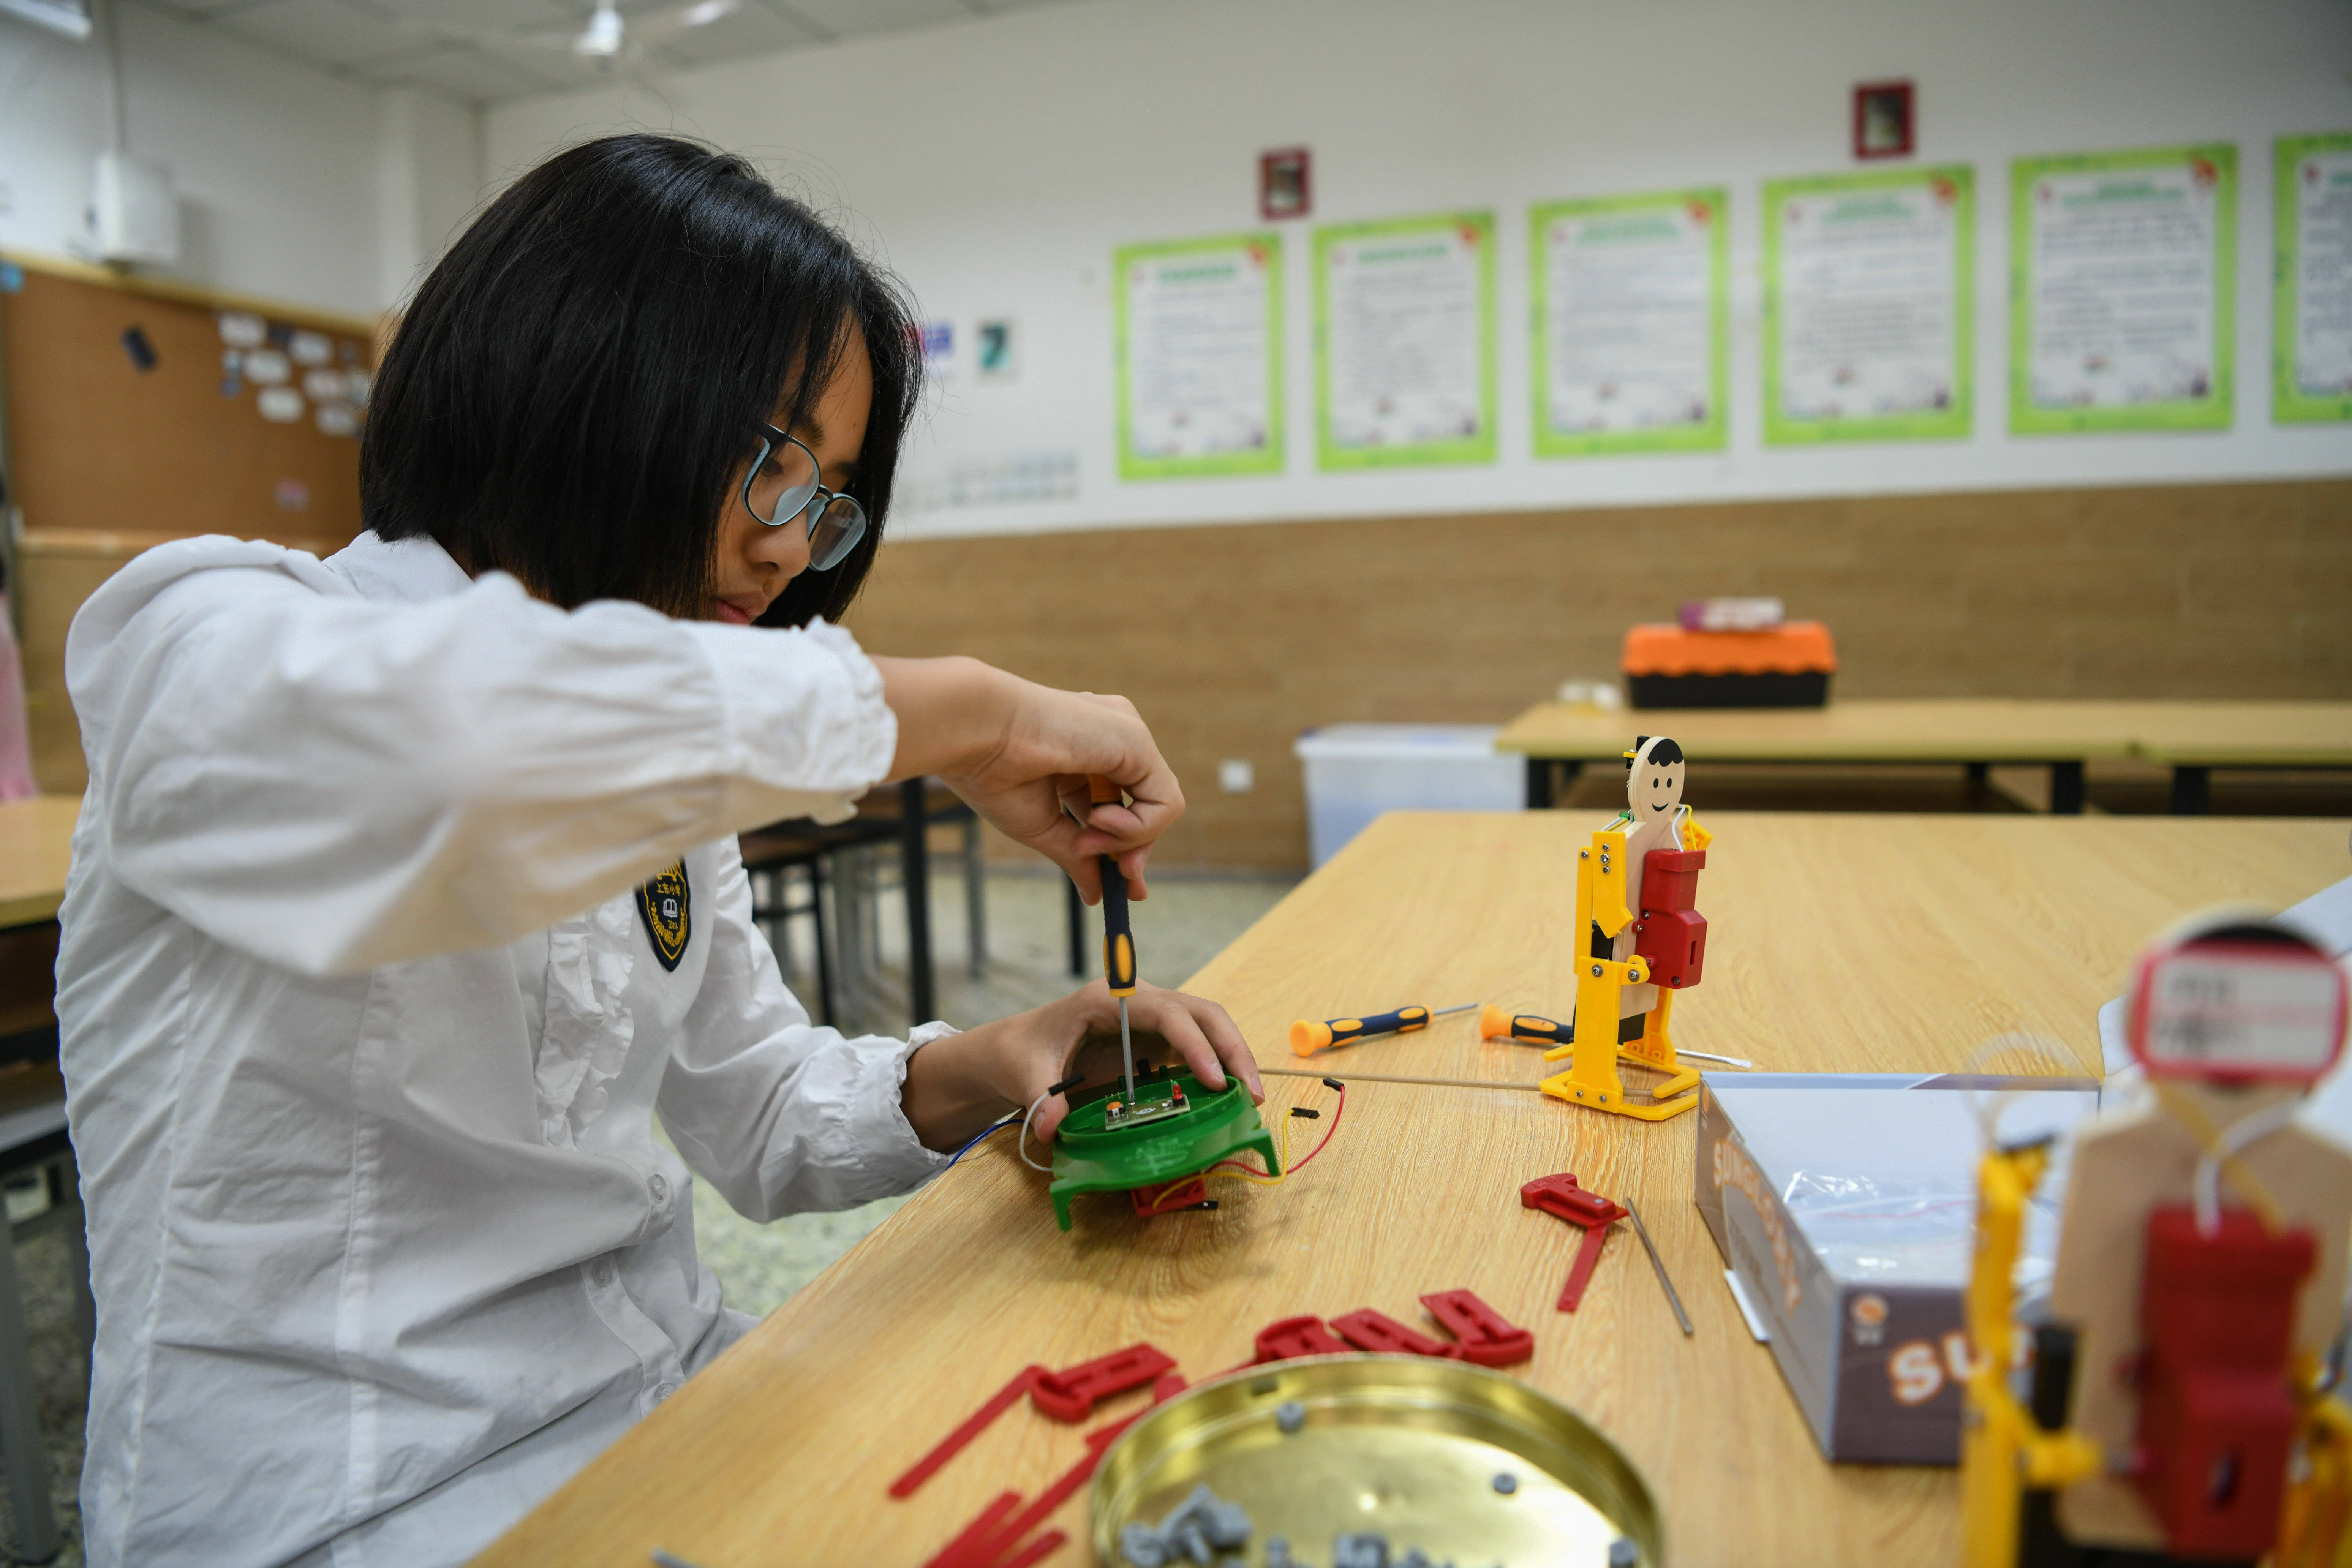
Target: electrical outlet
[(1235, 776)]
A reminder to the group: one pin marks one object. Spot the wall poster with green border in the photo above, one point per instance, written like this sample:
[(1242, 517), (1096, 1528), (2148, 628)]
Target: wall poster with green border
[(2311, 337), (1199, 325), (2122, 287), (1869, 305), (1404, 342), (1628, 346)]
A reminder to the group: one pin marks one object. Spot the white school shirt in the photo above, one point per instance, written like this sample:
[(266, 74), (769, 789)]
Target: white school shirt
[(363, 1035)]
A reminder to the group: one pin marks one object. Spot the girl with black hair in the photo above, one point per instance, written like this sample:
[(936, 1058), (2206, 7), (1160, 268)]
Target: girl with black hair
[(404, 894)]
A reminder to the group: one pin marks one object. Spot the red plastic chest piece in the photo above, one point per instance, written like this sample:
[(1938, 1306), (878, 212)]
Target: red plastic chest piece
[(1383, 1335), (1296, 1336), (1670, 879), (1488, 1338), (1072, 1393)]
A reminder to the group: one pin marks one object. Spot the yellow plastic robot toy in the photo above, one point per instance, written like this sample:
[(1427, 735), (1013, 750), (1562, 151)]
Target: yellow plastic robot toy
[(1635, 888)]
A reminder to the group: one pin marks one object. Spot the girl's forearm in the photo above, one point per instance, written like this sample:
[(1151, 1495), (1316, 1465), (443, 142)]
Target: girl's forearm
[(952, 712)]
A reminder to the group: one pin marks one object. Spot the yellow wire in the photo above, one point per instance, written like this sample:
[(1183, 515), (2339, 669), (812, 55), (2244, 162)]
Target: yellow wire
[(1254, 1178)]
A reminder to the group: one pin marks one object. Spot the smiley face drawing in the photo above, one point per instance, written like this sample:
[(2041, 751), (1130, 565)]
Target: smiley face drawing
[(1654, 818)]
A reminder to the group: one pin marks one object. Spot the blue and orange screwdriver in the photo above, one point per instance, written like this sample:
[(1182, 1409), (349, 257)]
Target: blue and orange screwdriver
[(1119, 941), (1307, 1038)]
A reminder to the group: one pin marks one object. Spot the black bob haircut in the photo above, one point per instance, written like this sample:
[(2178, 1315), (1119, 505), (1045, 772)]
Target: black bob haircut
[(582, 375), (1665, 756)]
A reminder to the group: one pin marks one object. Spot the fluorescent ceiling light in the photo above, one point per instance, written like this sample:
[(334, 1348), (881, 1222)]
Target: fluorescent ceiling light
[(70, 17)]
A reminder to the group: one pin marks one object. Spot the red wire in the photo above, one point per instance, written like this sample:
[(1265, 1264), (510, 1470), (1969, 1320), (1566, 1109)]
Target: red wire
[(1337, 1111)]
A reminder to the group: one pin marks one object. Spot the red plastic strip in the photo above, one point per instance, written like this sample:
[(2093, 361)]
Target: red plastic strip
[(1383, 1335), (1189, 1193), (1579, 1274), (958, 1553), (1037, 1551), (956, 1441), (1296, 1336), (1560, 1196), (1488, 1339), (1072, 1393)]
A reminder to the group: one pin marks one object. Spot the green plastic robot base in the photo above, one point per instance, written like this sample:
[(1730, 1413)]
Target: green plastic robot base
[(1092, 1157)]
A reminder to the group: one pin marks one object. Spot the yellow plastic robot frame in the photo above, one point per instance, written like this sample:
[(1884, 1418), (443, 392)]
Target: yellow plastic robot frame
[(1606, 887)]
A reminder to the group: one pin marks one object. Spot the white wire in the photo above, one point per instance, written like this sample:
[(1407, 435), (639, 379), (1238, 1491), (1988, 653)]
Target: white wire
[(1022, 1143), (2234, 1139)]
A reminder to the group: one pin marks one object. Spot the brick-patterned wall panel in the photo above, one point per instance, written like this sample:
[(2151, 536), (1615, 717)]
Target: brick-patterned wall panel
[(1233, 638)]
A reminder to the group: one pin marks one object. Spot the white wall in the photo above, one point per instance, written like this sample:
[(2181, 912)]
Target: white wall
[(277, 162), (997, 164)]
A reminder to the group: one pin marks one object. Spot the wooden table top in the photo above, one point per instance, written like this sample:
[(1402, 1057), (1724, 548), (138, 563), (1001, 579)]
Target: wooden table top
[(2245, 735), (1836, 943), (1954, 730), (36, 846)]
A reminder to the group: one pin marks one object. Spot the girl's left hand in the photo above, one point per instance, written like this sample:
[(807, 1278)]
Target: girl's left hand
[(957, 1085)]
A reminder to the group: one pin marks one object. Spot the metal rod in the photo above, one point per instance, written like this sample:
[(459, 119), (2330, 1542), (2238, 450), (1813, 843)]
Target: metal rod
[(1464, 1008), (1384, 1078), (1659, 1263), (1127, 1051), (1711, 1057)]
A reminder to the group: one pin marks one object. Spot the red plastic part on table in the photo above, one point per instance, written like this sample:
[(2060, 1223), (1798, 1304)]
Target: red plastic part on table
[(958, 1552), (1189, 1193), (1072, 1393), (1383, 1335), (956, 1441), (1296, 1336), (2217, 1315), (1579, 1273), (986, 1552), (1561, 1196), (1488, 1339)]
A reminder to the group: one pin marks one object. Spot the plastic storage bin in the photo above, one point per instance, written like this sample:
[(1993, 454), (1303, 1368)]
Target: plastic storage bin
[(1355, 771)]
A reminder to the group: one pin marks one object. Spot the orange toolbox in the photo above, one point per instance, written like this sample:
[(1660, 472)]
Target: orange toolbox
[(1787, 665)]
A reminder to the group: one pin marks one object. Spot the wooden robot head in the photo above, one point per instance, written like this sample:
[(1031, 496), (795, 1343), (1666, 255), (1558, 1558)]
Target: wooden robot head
[(2237, 1001), (1653, 778)]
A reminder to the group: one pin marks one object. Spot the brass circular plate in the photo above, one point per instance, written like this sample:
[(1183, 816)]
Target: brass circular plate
[(1409, 1447)]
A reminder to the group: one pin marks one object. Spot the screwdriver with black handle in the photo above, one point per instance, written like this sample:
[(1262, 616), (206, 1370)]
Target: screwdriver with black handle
[(1307, 1037), (1119, 941)]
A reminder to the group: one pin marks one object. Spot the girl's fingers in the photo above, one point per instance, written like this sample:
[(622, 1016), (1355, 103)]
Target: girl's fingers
[(1226, 1039)]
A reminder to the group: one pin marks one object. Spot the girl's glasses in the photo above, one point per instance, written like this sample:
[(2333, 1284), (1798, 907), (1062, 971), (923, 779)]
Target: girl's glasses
[(782, 484)]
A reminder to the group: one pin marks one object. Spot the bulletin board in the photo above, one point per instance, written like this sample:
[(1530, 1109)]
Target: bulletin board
[(96, 442)]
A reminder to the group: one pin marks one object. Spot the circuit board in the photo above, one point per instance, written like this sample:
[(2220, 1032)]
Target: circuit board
[(1149, 1105)]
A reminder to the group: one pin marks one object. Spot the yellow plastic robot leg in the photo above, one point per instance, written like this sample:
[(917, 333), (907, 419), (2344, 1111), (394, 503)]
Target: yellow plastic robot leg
[(1655, 1049), (1592, 1077), (2315, 1530)]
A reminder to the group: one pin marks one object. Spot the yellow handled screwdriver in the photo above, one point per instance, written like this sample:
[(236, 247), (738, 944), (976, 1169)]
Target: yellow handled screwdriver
[(1119, 941), (1307, 1038)]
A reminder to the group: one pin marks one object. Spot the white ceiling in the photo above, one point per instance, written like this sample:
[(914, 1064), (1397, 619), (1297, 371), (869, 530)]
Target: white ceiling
[(484, 50)]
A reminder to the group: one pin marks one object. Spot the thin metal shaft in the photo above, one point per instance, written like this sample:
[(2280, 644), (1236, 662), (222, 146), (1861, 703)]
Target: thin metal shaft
[(1386, 1078), (1711, 1057), (1659, 1263), (1126, 1052), (1464, 1008)]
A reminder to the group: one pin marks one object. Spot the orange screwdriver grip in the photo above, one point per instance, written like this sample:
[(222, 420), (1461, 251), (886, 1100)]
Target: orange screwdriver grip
[(1307, 1038), (1495, 1024)]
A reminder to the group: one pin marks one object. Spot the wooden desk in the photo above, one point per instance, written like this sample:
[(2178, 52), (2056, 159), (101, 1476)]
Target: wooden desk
[(1855, 942), (1974, 732), (2192, 739), (36, 846)]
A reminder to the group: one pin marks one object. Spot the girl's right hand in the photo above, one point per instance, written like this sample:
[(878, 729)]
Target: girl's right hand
[(1020, 752)]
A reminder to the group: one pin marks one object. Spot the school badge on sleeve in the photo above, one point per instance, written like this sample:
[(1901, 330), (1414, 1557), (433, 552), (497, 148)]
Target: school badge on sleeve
[(667, 909)]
